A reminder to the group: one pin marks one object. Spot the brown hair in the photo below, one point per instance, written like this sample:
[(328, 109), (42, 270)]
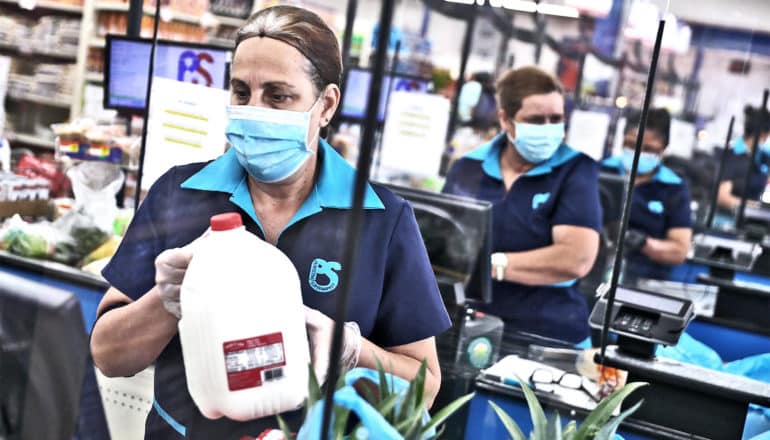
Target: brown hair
[(304, 31), (517, 84)]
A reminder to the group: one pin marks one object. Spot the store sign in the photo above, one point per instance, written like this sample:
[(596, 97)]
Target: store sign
[(414, 134), (187, 124)]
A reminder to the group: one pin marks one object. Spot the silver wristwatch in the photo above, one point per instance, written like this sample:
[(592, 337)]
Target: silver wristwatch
[(499, 261)]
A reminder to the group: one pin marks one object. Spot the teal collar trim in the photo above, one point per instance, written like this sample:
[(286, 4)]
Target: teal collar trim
[(664, 174), (739, 147), (333, 187), (489, 155)]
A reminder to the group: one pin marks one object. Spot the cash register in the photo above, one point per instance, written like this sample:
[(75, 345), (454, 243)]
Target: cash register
[(687, 398)]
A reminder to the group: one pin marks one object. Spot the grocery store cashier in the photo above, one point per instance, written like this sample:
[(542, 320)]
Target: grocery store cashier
[(660, 225), (546, 212), (741, 155), (293, 191)]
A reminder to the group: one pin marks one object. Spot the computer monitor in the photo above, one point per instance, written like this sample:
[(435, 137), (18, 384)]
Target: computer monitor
[(457, 232), (356, 96), (127, 60), (612, 193), (43, 356)]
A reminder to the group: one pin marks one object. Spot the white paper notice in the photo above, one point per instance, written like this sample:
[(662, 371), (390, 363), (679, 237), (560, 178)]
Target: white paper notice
[(588, 132), (187, 124), (415, 133)]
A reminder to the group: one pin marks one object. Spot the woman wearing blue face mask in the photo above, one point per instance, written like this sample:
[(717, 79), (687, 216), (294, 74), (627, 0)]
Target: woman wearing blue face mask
[(741, 161), (660, 226), (546, 211), (295, 192)]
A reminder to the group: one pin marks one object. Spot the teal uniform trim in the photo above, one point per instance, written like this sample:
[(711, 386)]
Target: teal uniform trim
[(664, 174), (489, 156), (333, 188), (178, 427)]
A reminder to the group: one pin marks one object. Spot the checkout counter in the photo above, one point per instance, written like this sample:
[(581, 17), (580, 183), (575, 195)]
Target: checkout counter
[(89, 289)]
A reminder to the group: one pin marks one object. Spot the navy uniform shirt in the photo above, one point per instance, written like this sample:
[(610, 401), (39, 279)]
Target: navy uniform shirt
[(560, 191), (659, 204), (394, 297), (736, 170)]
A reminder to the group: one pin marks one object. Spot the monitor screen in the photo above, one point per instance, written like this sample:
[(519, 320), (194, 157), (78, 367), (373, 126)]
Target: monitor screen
[(43, 358), (127, 61), (357, 85), (458, 238), (649, 301), (612, 193)]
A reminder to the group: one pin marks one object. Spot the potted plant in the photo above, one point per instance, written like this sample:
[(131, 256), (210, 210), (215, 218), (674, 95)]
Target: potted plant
[(388, 408), (598, 425)]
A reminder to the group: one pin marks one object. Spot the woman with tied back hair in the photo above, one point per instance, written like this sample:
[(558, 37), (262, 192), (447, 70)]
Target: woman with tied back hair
[(660, 226), (293, 191)]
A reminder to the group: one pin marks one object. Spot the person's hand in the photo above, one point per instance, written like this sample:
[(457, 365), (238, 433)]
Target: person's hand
[(634, 241), (320, 331), (170, 268)]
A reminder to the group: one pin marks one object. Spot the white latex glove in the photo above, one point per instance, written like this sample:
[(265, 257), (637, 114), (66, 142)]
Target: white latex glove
[(320, 331), (170, 268)]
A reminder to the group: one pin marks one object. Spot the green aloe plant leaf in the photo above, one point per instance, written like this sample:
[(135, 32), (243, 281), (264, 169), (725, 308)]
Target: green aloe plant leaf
[(314, 389), (285, 428), (535, 410), (407, 408), (603, 411), (446, 411), (569, 431), (553, 427), (419, 381), (510, 425), (608, 431)]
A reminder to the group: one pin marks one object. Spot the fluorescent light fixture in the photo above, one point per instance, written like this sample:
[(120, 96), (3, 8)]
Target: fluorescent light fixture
[(520, 5), (558, 10), (465, 2)]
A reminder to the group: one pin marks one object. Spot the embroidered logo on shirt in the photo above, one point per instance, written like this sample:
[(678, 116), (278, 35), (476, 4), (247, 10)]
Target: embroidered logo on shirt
[(321, 269), (539, 198), (655, 206)]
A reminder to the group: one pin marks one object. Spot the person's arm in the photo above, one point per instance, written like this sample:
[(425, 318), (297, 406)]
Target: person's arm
[(571, 256), (128, 339), (671, 250), (404, 361), (725, 197)]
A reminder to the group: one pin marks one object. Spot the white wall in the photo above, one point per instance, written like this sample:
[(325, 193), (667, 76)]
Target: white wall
[(740, 14)]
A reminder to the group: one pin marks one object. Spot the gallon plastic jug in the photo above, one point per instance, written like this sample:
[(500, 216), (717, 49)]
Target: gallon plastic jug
[(242, 330)]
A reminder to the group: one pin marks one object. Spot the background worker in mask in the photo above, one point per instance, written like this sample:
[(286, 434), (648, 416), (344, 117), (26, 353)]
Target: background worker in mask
[(294, 191), (660, 226), (546, 211)]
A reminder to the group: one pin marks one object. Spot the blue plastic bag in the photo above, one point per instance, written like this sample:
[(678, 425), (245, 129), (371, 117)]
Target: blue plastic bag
[(347, 397)]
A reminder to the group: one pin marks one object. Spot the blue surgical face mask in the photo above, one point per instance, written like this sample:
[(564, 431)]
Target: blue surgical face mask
[(271, 145), (647, 161), (537, 142)]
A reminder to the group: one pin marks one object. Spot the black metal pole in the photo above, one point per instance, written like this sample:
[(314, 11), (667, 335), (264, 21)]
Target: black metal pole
[(466, 53), (347, 36), (718, 176), (755, 152), (355, 222), (539, 35), (393, 71), (147, 95), (630, 192), (135, 13)]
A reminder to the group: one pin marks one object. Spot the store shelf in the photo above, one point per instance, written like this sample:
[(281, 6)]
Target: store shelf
[(97, 42), (94, 77), (51, 6), (30, 139), (150, 11), (38, 99), (225, 43), (49, 55), (230, 21)]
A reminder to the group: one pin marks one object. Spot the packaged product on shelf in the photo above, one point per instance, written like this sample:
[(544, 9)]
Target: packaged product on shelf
[(39, 168)]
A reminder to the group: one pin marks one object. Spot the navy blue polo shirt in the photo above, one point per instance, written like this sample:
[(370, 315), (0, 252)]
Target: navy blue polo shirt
[(394, 298), (736, 168), (659, 204), (560, 191)]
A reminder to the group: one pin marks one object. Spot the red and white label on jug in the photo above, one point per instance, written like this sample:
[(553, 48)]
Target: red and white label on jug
[(253, 361)]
